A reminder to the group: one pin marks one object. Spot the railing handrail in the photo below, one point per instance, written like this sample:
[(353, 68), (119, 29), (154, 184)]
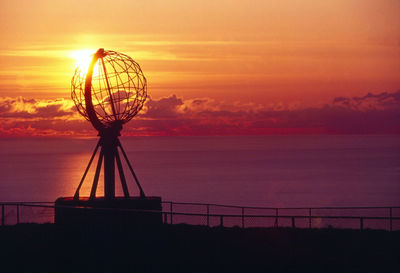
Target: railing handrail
[(231, 206), (280, 208)]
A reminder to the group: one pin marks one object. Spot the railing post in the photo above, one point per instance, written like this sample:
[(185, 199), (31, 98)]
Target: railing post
[(293, 223), (221, 221), (17, 213), (208, 215), (165, 218), (170, 209), (2, 214), (309, 218), (276, 218), (390, 211), (361, 223), (242, 217)]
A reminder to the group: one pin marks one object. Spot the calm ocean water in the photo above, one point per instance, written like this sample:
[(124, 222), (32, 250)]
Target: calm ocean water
[(241, 170)]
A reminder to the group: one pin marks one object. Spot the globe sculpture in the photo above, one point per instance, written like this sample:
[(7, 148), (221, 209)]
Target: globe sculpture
[(109, 93)]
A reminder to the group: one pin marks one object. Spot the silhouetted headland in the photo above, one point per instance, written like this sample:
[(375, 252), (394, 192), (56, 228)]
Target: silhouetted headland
[(185, 248)]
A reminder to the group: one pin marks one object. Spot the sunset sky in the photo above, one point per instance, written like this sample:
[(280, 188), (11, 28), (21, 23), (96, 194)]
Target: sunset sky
[(213, 67)]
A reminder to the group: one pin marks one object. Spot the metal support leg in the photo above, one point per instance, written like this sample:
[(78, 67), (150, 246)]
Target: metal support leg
[(96, 176), (109, 151), (76, 195), (122, 175), (132, 171)]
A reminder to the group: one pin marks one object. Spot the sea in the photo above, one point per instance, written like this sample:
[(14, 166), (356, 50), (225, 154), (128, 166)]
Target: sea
[(271, 171)]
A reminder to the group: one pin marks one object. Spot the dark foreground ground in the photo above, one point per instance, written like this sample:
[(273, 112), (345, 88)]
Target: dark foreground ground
[(183, 248)]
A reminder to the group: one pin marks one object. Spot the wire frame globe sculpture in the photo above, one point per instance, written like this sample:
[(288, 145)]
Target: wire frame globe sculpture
[(111, 91)]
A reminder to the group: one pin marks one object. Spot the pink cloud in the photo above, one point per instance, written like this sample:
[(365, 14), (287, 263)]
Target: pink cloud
[(171, 115), (32, 117), (370, 114)]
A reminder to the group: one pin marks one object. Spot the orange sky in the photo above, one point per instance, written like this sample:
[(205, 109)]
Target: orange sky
[(249, 51)]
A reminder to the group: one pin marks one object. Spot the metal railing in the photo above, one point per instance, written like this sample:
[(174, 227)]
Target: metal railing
[(26, 212), (387, 218)]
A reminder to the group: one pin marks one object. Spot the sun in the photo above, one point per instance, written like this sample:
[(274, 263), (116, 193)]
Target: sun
[(82, 58)]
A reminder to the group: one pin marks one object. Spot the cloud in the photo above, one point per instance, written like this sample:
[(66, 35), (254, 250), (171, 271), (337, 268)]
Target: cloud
[(31, 108), (164, 108), (172, 115), (369, 114), (382, 101), (34, 117)]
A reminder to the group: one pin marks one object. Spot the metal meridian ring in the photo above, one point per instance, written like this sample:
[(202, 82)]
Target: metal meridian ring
[(88, 92)]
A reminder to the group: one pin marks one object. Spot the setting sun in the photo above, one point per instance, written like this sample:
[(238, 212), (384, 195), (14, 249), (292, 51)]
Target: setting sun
[(82, 58)]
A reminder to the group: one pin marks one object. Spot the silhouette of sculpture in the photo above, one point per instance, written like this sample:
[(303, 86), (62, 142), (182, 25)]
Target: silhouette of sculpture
[(110, 93)]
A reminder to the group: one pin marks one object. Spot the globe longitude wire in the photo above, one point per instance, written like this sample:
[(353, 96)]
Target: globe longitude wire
[(118, 88)]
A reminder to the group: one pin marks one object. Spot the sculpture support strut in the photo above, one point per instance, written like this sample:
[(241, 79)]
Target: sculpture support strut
[(109, 153), (109, 147)]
